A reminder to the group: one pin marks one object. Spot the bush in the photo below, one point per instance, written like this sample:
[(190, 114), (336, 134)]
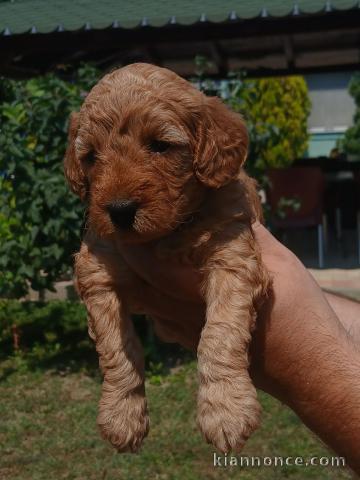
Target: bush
[(39, 219), (351, 141), (277, 110), (45, 335)]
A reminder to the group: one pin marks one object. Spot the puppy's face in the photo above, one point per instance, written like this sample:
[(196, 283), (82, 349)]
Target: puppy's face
[(144, 148)]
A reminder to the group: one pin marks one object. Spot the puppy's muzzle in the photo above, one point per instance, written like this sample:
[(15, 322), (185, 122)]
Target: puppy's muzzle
[(122, 213)]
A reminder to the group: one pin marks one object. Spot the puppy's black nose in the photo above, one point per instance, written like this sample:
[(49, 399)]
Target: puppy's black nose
[(122, 212)]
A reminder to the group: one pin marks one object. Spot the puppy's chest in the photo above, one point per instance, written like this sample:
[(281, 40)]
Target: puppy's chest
[(198, 243), (218, 225), (186, 248)]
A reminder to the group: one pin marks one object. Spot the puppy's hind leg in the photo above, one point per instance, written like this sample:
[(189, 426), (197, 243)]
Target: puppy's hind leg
[(122, 417), (228, 410)]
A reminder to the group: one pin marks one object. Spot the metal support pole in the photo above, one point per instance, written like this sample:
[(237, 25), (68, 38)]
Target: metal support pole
[(321, 245)]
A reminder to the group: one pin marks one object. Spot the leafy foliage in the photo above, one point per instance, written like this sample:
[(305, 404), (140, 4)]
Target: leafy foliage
[(351, 142), (39, 219), (277, 110)]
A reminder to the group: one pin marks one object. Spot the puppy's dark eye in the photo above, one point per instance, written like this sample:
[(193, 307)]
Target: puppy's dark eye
[(90, 158), (158, 146)]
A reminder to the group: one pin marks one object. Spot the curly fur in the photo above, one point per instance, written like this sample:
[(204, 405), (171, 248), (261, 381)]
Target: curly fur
[(195, 203)]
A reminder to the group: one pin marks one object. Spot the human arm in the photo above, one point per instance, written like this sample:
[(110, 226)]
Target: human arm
[(301, 352), (348, 312)]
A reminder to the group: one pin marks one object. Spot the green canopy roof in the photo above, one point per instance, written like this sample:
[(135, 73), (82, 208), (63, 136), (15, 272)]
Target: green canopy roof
[(44, 16)]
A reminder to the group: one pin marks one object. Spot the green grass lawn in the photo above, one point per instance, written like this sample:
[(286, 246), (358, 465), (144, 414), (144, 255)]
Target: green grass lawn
[(48, 404)]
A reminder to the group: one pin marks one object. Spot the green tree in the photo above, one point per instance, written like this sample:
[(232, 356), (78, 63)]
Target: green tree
[(351, 141), (276, 110), (39, 218)]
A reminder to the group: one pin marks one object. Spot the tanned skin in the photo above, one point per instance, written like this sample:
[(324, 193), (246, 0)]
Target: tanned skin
[(305, 350)]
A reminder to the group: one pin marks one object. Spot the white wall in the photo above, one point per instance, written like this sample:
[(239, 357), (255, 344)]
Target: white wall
[(332, 106)]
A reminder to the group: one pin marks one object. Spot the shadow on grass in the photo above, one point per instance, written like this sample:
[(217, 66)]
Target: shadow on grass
[(53, 336)]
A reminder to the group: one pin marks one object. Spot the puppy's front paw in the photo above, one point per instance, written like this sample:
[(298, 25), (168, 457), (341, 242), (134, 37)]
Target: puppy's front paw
[(228, 413), (126, 426)]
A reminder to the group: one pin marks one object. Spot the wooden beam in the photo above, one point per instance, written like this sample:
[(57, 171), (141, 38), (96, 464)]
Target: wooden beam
[(220, 58), (40, 52), (289, 51)]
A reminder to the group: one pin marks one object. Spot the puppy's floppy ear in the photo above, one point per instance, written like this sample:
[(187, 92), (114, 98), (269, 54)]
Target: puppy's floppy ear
[(222, 144), (72, 167)]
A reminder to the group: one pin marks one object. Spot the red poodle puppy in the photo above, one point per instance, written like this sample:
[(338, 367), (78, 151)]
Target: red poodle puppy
[(158, 162)]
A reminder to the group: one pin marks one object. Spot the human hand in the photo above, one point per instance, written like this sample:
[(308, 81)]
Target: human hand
[(181, 308), (300, 351)]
